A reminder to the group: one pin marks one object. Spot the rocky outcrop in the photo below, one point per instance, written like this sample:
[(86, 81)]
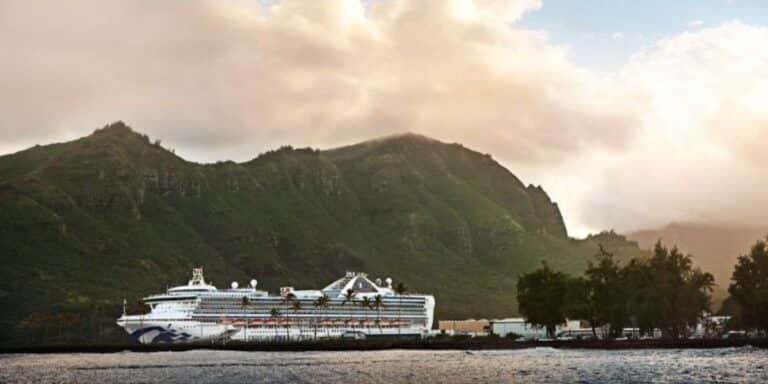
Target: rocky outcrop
[(547, 211)]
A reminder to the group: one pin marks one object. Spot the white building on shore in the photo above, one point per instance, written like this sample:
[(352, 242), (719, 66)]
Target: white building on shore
[(527, 331)]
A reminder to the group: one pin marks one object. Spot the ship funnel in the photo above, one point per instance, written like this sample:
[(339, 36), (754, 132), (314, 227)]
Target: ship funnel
[(253, 283)]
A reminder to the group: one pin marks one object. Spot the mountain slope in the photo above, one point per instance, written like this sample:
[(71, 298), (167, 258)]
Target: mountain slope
[(86, 223)]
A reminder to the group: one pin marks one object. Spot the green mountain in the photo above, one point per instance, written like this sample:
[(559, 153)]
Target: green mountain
[(86, 223)]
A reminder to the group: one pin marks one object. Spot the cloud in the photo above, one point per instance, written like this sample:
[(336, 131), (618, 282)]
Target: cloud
[(219, 80), (695, 23), (700, 155), (676, 134), (617, 36)]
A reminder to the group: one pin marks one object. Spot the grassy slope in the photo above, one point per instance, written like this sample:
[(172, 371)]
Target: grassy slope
[(85, 223)]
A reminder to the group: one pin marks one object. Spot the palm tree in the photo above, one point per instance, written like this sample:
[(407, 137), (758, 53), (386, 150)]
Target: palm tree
[(378, 302), (296, 307), (290, 298), (400, 289), (275, 314), (349, 296), (366, 304), (244, 305), (322, 302)]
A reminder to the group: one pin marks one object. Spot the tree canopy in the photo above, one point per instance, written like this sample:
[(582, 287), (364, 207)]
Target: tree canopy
[(541, 297), (663, 292), (749, 286), (666, 292)]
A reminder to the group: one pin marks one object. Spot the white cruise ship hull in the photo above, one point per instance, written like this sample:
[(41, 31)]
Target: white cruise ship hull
[(308, 334), (149, 331), (351, 307)]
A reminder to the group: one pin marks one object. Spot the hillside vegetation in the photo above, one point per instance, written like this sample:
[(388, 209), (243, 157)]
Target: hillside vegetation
[(86, 223)]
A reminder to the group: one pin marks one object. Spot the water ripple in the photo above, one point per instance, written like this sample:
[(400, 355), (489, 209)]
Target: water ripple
[(539, 365)]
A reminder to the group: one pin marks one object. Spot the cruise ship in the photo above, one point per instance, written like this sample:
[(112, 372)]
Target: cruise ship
[(353, 306)]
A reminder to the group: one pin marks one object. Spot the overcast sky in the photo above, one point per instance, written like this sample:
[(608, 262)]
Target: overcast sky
[(631, 114)]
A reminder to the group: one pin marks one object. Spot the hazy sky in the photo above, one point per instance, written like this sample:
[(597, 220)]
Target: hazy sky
[(631, 114)]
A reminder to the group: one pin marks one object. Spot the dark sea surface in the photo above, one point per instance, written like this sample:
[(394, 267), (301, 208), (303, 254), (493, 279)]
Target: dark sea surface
[(538, 365)]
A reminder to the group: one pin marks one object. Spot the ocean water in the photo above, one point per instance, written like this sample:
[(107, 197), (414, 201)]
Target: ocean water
[(539, 365)]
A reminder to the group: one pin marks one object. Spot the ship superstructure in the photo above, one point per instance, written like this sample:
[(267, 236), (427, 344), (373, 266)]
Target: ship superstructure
[(352, 306)]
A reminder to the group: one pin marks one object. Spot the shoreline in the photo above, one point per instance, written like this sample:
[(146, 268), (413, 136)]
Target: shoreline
[(377, 345)]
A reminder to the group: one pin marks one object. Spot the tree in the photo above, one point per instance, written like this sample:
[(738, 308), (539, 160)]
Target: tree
[(244, 305), (378, 302), (732, 309), (275, 314), (349, 297), (322, 302), (400, 289), (296, 307), (541, 296), (749, 287), (365, 303), (607, 294), (639, 281), (289, 300), (580, 301), (667, 292)]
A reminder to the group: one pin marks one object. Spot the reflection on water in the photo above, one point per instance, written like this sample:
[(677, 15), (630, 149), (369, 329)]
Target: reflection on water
[(540, 365)]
